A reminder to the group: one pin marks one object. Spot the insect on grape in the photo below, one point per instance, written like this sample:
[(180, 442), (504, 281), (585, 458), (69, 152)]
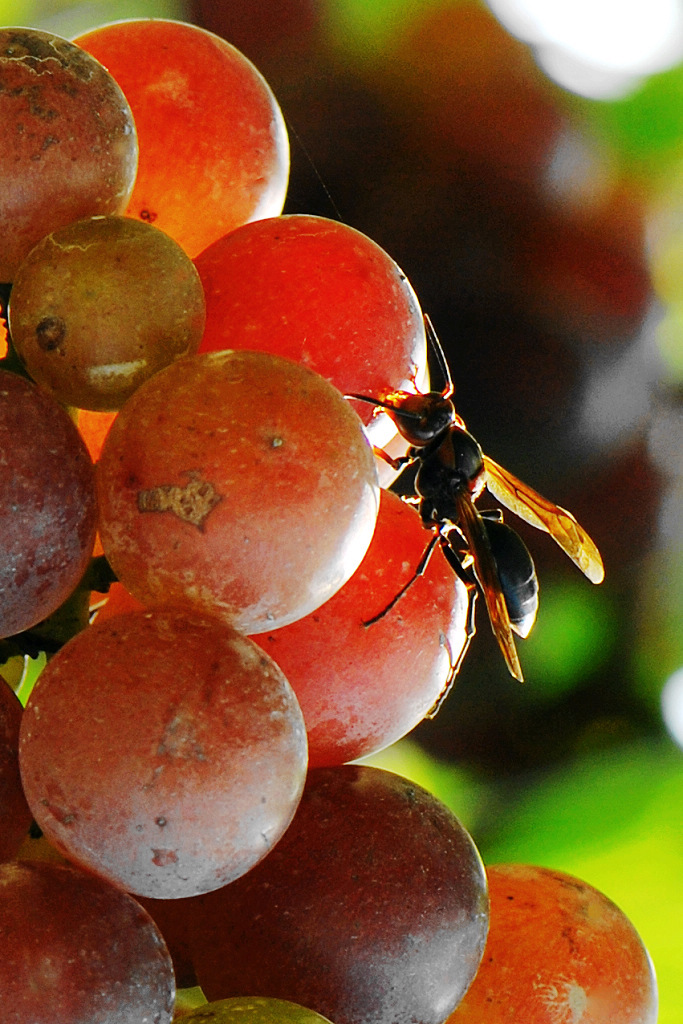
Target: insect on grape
[(486, 554)]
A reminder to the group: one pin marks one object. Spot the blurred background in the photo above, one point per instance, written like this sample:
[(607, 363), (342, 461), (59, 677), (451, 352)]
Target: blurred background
[(522, 161)]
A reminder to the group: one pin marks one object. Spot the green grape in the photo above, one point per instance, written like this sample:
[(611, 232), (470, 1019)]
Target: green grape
[(253, 1010), (99, 306)]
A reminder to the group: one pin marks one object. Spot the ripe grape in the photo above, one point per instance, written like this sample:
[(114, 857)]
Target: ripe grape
[(163, 751), (48, 511), (100, 305), (362, 687), (76, 950), (557, 950), (69, 145), (214, 152), (319, 292), (253, 1010), (240, 483), (371, 908), (15, 816)]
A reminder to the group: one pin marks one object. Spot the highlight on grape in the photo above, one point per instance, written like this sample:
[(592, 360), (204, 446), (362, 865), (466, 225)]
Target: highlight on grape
[(194, 539)]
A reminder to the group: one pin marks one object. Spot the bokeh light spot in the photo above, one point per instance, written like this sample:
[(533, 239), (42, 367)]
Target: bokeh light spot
[(597, 47), (573, 634), (672, 706)]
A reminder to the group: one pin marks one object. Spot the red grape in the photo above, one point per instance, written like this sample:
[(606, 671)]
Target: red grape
[(362, 687), (15, 816), (371, 908), (240, 483), (48, 512), (319, 292), (214, 152), (163, 751), (557, 950), (69, 146), (76, 950), (102, 304)]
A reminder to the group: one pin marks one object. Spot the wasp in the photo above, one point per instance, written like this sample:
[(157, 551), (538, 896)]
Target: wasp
[(452, 474)]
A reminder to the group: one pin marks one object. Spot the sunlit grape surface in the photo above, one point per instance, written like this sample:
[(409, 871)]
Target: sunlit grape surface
[(541, 231)]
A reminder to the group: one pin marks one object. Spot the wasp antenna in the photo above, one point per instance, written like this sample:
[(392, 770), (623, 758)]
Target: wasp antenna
[(405, 414), (433, 340)]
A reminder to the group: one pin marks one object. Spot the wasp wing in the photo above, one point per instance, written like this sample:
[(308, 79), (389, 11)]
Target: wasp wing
[(531, 506), (470, 523)]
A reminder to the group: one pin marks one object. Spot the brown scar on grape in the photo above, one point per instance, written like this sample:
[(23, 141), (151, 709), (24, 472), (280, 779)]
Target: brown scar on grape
[(192, 503), (50, 333)]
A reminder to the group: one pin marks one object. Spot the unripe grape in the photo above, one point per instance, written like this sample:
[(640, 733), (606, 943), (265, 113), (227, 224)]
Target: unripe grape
[(101, 305), (253, 1010)]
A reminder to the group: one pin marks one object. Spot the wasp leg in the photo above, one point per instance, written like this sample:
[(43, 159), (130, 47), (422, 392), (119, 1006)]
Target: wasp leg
[(419, 571), (400, 463), (470, 630)]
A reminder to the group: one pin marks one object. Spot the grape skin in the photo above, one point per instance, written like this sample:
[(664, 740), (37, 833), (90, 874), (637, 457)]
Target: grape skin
[(363, 687), (558, 949), (239, 483), (214, 151), (163, 751), (320, 292), (48, 514), (371, 908), (75, 950), (65, 120), (102, 304)]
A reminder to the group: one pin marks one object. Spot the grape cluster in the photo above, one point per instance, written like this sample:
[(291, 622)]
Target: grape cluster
[(196, 532)]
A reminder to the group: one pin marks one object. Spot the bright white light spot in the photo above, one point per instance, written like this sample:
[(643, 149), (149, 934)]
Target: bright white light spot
[(598, 48), (672, 705), (591, 80)]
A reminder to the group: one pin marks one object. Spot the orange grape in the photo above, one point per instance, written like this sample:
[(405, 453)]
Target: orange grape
[(362, 687), (214, 152), (557, 950)]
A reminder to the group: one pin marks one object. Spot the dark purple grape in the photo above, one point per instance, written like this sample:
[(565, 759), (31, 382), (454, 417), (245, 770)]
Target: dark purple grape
[(48, 508), (75, 950), (373, 907)]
